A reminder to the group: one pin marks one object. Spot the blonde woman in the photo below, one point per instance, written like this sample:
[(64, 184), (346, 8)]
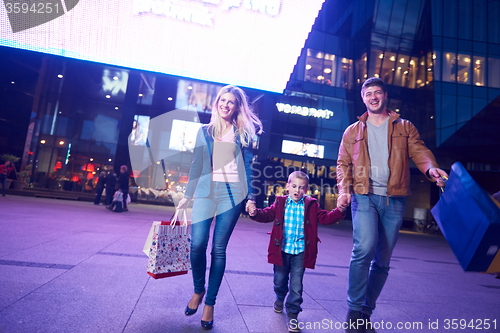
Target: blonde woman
[(219, 181)]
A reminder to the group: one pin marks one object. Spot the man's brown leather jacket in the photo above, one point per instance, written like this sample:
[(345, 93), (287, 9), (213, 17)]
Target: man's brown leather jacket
[(353, 164)]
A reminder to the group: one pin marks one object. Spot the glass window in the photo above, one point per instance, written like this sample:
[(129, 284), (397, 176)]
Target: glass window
[(449, 67), (388, 67), (344, 77), (421, 71), (450, 17), (463, 68), (437, 65), (401, 73), (411, 73), (493, 22), (383, 16), (361, 69), (413, 12), (398, 14), (319, 67), (376, 62), (146, 89), (493, 73), (429, 67), (465, 24), (480, 20), (478, 70)]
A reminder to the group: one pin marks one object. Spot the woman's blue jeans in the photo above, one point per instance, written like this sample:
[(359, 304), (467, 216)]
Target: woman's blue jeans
[(226, 209), (376, 222)]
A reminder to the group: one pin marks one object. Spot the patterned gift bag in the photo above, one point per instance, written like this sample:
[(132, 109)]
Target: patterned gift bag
[(169, 245)]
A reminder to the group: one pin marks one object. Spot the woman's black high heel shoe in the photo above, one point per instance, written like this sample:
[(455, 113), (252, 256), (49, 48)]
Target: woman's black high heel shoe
[(207, 325), (189, 311)]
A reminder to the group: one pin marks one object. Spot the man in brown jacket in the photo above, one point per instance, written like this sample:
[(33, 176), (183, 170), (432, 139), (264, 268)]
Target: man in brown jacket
[(373, 175)]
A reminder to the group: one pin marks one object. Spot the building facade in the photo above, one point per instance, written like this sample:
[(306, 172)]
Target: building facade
[(440, 61)]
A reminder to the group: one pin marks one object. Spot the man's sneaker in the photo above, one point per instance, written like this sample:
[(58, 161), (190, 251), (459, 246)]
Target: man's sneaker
[(278, 307), (293, 325), (367, 323), (354, 322)]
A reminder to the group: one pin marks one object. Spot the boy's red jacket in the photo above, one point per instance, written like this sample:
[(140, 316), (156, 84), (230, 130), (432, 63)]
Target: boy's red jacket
[(313, 215)]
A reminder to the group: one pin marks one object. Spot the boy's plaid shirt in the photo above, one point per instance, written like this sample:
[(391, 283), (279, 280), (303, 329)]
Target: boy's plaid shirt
[(293, 227)]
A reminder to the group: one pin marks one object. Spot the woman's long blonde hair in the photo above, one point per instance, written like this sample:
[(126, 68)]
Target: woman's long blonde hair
[(246, 122)]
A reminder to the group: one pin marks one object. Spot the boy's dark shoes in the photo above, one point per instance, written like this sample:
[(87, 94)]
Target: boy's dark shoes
[(293, 324), (278, 307), (367, 323), (354, 322)]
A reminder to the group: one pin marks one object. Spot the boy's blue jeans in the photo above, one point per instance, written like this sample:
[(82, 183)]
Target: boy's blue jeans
[(293, 269), (226, 210), (376, 226)]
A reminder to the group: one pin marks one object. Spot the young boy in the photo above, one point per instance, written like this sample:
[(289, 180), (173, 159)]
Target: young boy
[(293, 246)]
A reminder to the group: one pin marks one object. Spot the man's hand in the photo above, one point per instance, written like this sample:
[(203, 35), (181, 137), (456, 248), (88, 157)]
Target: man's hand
[(343, 201), (438, 175)]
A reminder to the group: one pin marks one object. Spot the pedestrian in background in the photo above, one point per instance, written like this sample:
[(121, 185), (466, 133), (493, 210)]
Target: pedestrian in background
[(110, 187), (99, 187), (5, 170), (123, 179)]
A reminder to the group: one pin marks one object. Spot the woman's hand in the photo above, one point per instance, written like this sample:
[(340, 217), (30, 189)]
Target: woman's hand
[(183, 203)]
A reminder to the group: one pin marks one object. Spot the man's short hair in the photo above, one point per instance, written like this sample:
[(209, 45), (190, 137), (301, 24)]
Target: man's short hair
[(373, 82), (298, 174)]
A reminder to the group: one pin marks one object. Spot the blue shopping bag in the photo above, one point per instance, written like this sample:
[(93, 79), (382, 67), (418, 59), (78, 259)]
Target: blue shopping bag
[(470, 221)]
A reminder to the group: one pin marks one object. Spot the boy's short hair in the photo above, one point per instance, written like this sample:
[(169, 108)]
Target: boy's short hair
[(298, 174)]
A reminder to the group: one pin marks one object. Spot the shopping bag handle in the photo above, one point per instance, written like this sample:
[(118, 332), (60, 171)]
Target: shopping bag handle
[(445, 179), (176, 215)]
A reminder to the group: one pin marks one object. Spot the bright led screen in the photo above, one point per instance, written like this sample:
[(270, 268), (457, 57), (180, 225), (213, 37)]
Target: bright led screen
[(251, 43), (183, 135), (302, 149)]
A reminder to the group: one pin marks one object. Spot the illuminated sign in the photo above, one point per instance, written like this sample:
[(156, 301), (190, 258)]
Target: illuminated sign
[(249, 43), (304, 111), (302, 149)]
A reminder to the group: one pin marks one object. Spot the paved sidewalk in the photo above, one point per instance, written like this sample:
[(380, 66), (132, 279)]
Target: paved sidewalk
[(71, 266)]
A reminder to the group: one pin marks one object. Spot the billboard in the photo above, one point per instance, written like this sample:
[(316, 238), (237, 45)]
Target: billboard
[(302, 149), (250, 43)]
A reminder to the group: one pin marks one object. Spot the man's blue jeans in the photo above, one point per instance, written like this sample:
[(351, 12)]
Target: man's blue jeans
[(293, 268), (376, 222), (226, 209)]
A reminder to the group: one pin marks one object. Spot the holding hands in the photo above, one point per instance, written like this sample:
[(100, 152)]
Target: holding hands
[(343, 201), (251, 208)]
